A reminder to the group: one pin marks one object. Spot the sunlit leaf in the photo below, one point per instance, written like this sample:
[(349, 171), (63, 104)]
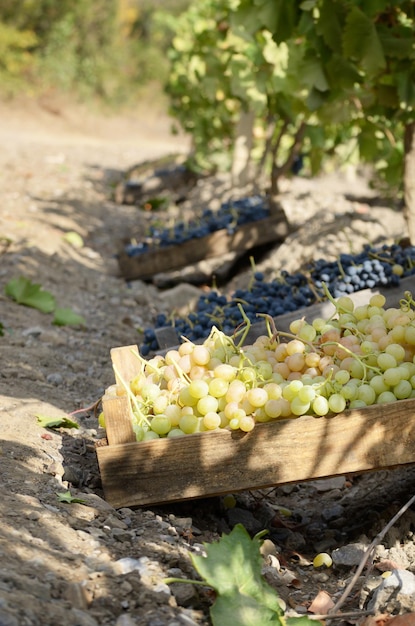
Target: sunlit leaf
[(361, 41), (23, 291), (66, 496), (67, 317), (55, 422)]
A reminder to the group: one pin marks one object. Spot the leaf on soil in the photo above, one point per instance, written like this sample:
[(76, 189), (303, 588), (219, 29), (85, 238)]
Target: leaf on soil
[(74, 239), (67, 317), (233, 568), (66, 496), (1, 330), (23, 291), (56, 422), (321, 604)]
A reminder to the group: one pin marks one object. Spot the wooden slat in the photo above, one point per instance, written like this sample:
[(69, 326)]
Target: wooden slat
[(247, 236), (118, 422), (126, 361), (117, 409), (208, 464)]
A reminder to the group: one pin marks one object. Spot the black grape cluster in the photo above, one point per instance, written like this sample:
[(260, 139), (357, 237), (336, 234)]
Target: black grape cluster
[(228, 217), (373, 267)]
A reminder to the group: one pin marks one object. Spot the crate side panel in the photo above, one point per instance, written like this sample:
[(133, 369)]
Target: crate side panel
[(208, 464), (218, 243)]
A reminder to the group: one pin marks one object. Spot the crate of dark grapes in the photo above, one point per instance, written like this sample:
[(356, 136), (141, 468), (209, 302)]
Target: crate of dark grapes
[(238, 227), (324, 398)]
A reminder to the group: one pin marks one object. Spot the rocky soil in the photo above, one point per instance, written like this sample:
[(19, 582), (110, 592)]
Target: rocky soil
[(87, 564)]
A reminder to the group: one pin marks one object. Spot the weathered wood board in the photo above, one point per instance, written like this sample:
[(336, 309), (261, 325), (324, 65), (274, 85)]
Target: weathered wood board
[(286, 451), (247, 236)]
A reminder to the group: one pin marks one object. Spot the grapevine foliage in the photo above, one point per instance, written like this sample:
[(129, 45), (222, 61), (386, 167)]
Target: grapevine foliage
[(232, 567), (317, 74)]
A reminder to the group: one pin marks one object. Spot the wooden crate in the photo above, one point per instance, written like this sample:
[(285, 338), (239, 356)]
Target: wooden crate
[(167, 337), (248, 236), (274, 453)]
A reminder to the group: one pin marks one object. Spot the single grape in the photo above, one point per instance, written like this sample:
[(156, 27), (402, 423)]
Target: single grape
[(247, 423), (207, 404), (198, 389), (320, 406), (366, 393), (298, 407), (337, 403), (257, 397), (188, 424), (160, 424), (386, 361), (402, 390), (211, 420), (175, 432), (385, 397)]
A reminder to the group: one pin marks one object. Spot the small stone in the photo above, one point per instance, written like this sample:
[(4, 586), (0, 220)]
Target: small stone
[(349, 555), (125, 620), (128, 564), (327, 484), (6, 619), (185, 593), (122, 535), (162, 592), (113, 522), (246, 518), (55, 378), (82, 619), (332, 512), (395, 594)]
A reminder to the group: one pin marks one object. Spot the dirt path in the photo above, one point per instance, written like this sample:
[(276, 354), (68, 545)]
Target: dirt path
[(88, 564)]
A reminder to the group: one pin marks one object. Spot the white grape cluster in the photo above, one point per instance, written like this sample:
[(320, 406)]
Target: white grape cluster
[(361, 356)]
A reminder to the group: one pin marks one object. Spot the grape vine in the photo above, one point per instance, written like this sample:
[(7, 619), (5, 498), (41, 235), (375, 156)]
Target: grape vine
[(316, 74)]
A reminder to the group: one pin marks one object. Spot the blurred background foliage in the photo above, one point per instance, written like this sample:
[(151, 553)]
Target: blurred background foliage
[(109, 50)]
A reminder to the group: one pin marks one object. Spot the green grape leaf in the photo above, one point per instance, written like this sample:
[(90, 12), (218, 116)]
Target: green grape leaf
[(66, 496), (55, 422), (232, 567), (67, 317), (329, 25), (23, 291), (406, 88), (301, 621), (240, 610), (361, 41)]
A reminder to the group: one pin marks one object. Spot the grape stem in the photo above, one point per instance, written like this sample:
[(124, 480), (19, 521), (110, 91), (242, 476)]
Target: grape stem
[(407, 301), (339, 308), (355, 356)]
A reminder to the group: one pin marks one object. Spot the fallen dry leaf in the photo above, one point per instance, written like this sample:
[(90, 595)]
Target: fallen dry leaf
[(322, 604), (408, 619), (387, 565)]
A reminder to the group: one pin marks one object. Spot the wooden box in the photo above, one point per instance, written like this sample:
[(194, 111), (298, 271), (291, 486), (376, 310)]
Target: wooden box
[(270, 230), (209, 464)]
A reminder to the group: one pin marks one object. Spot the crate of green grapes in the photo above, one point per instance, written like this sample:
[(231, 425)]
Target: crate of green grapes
[(329, 397)]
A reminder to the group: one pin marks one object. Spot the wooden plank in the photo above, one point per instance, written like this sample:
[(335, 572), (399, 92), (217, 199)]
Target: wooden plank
[(126, 362), (118, 420), (246, 237), (275, 453)]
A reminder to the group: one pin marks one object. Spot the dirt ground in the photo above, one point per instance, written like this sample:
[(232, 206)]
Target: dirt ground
[(86, 563)]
